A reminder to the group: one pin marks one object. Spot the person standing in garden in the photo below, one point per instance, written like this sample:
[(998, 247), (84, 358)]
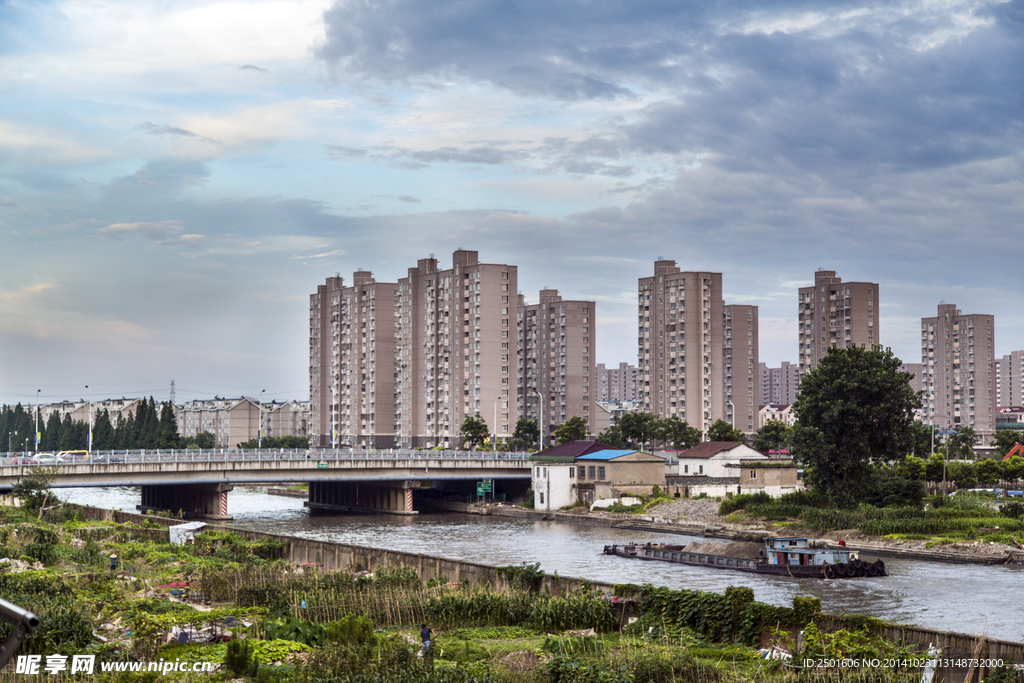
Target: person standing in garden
[(425, 637)]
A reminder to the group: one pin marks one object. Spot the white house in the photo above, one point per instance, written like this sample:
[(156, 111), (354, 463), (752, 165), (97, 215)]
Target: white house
[(782, 412), (553, 476), (716, 459)]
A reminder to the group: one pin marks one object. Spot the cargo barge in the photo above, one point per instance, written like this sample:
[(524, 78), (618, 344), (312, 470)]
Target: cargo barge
[(793, 557)]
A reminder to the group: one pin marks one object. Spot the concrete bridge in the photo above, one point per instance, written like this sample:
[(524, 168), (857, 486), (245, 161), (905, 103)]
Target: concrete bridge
[(197, 482)]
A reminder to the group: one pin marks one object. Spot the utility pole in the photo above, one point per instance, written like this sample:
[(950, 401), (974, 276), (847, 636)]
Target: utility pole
[(90, 419), (540, 400), (37, 419)]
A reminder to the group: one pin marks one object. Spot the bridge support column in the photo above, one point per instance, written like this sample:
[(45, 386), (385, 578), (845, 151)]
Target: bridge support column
[(348, 496), (202, 501)]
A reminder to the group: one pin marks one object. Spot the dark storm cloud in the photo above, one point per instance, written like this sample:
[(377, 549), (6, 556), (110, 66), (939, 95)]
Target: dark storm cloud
[(843, 86)]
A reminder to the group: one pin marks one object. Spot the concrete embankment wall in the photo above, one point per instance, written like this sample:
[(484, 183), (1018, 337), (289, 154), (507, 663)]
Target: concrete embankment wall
[(330, 555)]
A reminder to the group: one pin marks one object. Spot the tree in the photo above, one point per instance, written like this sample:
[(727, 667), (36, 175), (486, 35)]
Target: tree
[(723, 431), (573, 429), (526, 434), (205, 440), (474, 431), (637, 428), (1013, 469), (1004, 440), (102, 432), (34, 489), (961, 443), (678, 433), (772, 437), (167, 429), (855, 408), (921, 445), (612, 436), (988, 471)]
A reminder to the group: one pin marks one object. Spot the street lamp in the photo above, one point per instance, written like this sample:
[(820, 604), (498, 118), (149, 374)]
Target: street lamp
[(540, 438), (334, 424), (37, 419), (732, 413), (494, 430), (259, 432), (90, 420)]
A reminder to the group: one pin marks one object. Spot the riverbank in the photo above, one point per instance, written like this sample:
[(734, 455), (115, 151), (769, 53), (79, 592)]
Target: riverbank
[(699, 518)]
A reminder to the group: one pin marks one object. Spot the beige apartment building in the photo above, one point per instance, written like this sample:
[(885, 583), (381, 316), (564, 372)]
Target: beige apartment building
[(616, 384), (230, 420), (781, 384), (455, 350), (680, 319), (285, 419), (835, 313), (1009, 391), (555, 349), (958, 359), (352, 363), (742, 379)]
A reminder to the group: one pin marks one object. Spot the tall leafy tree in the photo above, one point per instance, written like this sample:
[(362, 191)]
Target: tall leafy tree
[(855, 408), (526, 434), (638, 428), (961, 443), (50, 439), (774, 436), (1005, 439), (612, 436), (474, 431), (677, 433), (723, 431), (573, 429)]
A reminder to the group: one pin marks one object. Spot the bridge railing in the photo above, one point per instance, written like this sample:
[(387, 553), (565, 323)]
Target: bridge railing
[(247, 455)]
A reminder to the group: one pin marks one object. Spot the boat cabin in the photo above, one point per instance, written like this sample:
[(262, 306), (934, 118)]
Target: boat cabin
[(797, 551)]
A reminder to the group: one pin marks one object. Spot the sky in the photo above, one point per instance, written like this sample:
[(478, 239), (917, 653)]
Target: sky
[(177, 177)]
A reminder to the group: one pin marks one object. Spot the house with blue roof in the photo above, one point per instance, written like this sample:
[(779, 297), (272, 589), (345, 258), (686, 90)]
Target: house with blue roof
[(612, 473)]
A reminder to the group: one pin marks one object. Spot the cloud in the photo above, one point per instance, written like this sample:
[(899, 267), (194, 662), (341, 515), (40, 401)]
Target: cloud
[(171, 131), (409, 198), (157, 231), (252, 67), (7, 202)]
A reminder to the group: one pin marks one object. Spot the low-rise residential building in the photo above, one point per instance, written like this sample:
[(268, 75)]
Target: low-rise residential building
[(774, 477), (553, 476), (780, 413), (613, 473), (1010, 417), (606, 411), (715, 459), (230, 420), (285, 419)]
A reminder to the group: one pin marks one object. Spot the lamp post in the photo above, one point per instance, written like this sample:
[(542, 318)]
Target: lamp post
[(540, 437), (494, 430), (334, 424), (37, 419), (259, 432), (732, 413), (90, 420)]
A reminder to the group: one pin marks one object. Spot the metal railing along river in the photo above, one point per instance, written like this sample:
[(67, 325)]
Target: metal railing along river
[(247, 455)]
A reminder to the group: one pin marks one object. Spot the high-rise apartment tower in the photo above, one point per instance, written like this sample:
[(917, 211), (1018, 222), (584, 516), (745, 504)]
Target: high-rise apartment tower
[(679, 339), (835, 313), (616, 384), (352, 363), (455, 349), (742, 379), (1009, 391), (555, 358), (958, 366)]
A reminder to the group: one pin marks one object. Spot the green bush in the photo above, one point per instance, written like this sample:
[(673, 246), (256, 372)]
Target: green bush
[(240, 658), (351, 630), (741, 501)]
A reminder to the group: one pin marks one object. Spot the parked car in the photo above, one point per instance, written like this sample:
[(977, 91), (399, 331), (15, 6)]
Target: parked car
[(47, 459), (73, 455)]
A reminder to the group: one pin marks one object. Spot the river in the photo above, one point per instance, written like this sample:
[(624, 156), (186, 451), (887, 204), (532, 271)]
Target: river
[(963, 598)]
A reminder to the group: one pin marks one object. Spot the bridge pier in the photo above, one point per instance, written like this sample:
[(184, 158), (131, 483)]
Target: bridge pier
[(206, 501), (349, 496)]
